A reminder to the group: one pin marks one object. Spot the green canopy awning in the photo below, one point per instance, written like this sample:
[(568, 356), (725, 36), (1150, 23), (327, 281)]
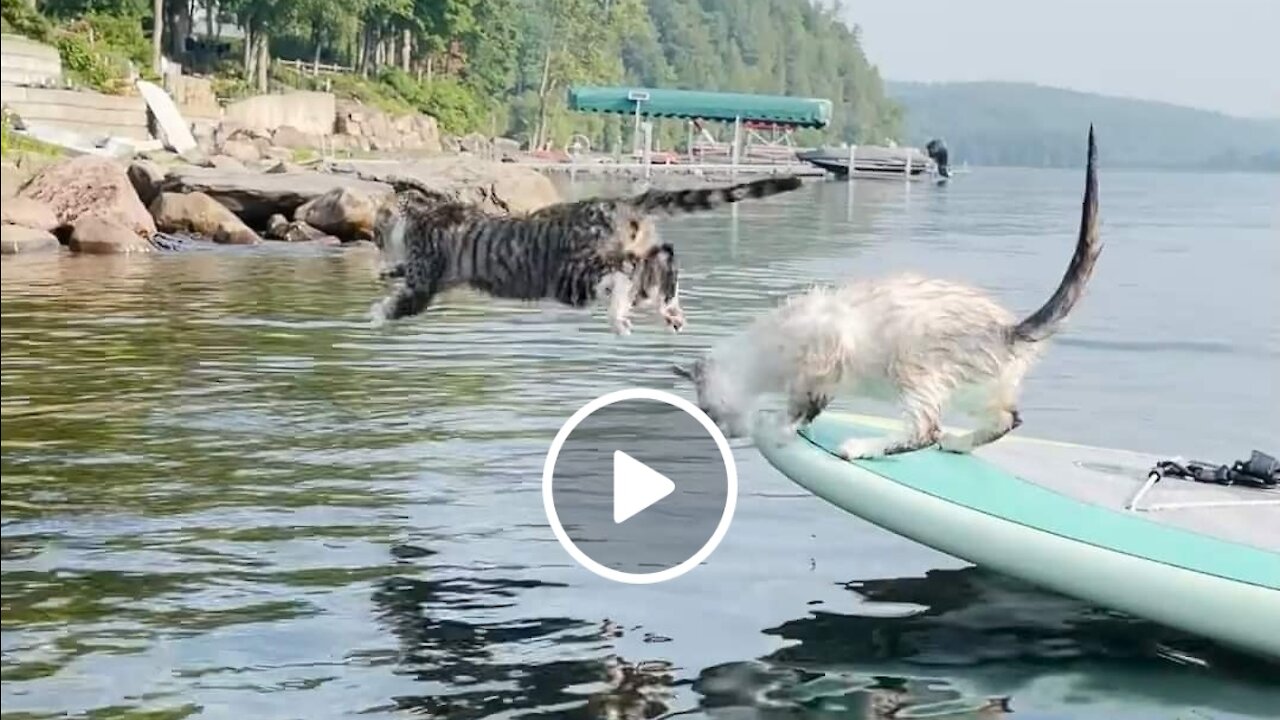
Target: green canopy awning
[(696, 104)]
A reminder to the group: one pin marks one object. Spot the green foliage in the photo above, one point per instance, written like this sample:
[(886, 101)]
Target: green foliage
[(371, 92), (121, 36), (1017, 124), (19, 17), (506, 65), (71, 9), (230, 86), (96, 44), (454, 105), (788, 47), (85, 64)]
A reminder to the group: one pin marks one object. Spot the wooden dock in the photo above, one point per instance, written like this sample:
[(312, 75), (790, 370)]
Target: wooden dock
[(634, 170)]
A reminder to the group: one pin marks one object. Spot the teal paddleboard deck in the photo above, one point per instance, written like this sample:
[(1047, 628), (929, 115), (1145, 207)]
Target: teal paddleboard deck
[(1199, 557)]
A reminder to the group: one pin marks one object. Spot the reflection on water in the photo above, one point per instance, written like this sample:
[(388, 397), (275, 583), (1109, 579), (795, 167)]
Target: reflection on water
[(225, 495)]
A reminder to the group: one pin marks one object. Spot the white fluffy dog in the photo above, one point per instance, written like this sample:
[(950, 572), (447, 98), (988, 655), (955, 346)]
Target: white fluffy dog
[(923, 342)]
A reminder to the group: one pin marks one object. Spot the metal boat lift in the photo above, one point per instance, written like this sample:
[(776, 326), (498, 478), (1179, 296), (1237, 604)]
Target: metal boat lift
[(765, 121)]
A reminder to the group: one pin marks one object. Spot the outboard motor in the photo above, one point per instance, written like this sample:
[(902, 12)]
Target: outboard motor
[(938, 153)]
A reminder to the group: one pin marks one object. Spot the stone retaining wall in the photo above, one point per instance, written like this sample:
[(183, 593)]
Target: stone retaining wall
[(311, 112), (89, 113), (26, 62)]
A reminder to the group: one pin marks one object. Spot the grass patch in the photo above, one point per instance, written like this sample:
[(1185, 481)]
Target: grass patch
[(14, 143), (304, 155)]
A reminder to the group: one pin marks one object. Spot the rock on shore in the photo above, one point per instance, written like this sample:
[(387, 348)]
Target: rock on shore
[(202, 215), (254, 197), (494, 186), (98, 205), (19, 240), (90, 185)]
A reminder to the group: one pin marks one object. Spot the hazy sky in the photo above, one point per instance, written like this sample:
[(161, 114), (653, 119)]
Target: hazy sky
[(1217, 54)]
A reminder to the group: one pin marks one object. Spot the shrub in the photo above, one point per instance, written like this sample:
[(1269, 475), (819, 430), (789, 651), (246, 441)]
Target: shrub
[(454, 105), (19, 17)]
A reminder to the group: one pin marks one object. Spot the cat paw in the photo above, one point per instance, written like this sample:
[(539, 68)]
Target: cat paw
[(378, 313), (621, 326), (861, 449), (674, 318), (958, 444)]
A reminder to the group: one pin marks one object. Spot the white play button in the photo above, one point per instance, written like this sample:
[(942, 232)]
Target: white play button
[(636, 486), (639, 486)]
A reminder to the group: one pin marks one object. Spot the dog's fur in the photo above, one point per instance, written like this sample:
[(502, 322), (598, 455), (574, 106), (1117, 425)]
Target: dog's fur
[(923, 342)]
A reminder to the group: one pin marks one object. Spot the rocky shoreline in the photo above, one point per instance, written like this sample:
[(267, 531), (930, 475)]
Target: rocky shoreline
[(91, 204)]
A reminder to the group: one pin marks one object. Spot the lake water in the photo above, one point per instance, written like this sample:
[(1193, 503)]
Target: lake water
[(226, 496)]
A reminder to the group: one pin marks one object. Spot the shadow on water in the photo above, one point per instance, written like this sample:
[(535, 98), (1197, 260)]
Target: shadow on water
[(552, 666), (969, 642)]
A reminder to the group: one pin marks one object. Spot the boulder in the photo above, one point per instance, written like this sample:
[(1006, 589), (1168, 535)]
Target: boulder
[(18, 240), (283, 166), (288, 136), (298, 231), (236, 235), (475, 143), (204, 133), (225, 162), (278, 228), (145, 176), (494, 186), (342, 211), (246, 151), (277, 225), (200, 214), (198, 156), (255, 197), (10, 179), (104, 235), (277, 154), (505, 147), (91, 185), (28, 213), (363, 127)]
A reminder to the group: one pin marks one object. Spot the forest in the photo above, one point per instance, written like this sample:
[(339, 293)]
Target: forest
[(1017, 124), (496, 66)]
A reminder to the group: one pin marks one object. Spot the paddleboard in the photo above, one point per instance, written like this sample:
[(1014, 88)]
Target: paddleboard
[(1198, 557)]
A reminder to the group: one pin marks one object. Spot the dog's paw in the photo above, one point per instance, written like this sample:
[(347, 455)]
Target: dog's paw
[(958, 444), (861, 449), (770, 428)]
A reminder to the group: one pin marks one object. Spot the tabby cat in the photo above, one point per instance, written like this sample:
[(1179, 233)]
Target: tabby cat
[(572, 252)]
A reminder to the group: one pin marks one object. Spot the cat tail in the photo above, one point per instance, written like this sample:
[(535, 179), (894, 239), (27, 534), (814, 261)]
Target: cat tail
[(694, 200)]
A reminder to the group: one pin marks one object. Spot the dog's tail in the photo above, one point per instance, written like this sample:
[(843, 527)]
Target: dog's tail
[(1044, 322), (700, 199)]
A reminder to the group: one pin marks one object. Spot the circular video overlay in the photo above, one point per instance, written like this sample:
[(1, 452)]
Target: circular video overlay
[(639, 486)]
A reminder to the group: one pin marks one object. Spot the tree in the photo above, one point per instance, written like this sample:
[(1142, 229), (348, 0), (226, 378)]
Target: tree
[(157, 12)]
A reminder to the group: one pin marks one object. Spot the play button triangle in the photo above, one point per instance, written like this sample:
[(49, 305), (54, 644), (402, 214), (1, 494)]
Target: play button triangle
[(636, 486)]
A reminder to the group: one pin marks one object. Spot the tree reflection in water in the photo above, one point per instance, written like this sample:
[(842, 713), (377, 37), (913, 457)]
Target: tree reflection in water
[(471, 667)]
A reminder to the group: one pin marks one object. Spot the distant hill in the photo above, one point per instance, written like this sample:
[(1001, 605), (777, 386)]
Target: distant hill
[(1019, 124)]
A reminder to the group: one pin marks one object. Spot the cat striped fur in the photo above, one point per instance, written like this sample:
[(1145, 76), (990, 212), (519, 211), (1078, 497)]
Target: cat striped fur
[(573, 252)]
